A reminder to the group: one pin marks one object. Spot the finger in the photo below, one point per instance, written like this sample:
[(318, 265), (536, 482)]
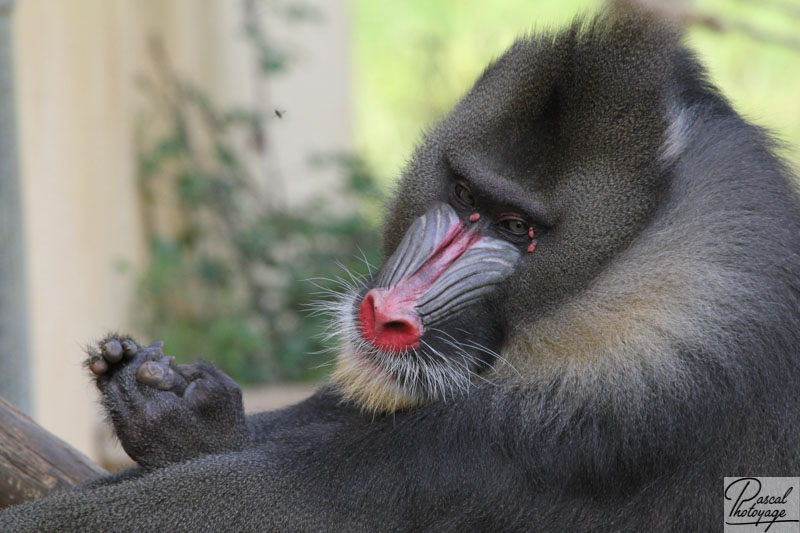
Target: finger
[(154, 351), (161, 376), (205, 371), (215, 387), (129, 348), (112, 351), (98, 365)]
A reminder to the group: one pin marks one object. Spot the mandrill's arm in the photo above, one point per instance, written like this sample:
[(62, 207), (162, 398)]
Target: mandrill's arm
[(432, 469), (165, 413)]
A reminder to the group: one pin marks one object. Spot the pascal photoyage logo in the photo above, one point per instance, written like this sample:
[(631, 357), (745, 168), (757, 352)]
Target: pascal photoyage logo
[(762, 504)]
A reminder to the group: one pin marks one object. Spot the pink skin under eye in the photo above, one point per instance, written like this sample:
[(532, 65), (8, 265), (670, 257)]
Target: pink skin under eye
[(474, 217)]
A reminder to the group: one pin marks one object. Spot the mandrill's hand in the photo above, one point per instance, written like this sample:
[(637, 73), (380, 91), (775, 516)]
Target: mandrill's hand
[(165, 413)]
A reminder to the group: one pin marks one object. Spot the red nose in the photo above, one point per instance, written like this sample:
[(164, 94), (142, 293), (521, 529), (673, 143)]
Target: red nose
[(389, 321)]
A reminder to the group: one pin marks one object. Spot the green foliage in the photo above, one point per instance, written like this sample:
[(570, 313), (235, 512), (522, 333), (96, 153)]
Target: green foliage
[(232, 271), (231, 284)]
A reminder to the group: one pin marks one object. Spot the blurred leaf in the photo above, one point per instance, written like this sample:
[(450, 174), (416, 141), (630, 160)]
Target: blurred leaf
[(213, 271), (193, 188), (302, 12), (225, 156)]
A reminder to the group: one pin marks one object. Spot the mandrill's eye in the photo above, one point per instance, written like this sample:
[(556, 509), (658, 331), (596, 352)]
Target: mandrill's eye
[(464, 195), (513, 225)]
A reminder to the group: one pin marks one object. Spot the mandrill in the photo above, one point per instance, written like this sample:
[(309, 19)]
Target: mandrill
[(588, 314)]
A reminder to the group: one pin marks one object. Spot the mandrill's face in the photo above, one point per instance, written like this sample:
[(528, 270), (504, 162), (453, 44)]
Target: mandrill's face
[(516, 202)]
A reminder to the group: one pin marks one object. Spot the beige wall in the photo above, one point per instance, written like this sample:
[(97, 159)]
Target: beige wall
[(76, 63)]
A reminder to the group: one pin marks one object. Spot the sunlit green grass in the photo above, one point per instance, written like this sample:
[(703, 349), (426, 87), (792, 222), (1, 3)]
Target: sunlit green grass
[(413, 59)]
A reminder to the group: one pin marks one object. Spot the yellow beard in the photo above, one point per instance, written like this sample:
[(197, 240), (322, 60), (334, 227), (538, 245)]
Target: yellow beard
[(369, 387)]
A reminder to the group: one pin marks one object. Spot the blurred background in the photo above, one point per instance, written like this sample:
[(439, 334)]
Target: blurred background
[(200, 171)]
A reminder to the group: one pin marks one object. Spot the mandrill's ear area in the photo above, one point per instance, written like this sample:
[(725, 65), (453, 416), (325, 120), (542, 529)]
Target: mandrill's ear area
[(576, 123)]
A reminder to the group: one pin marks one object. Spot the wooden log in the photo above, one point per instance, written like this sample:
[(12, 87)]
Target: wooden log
[(34, 462)]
